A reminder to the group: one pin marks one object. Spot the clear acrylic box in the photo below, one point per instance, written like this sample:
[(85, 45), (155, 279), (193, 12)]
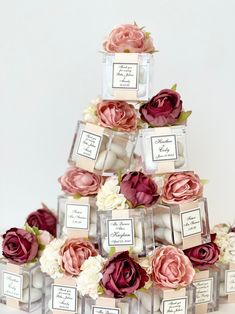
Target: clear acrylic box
[(164, 149), (101, 150), (77, 217), (227, 282), (137, 226), (183, 225), (105, 305), (127, 76), (207, 290), (21, 286)]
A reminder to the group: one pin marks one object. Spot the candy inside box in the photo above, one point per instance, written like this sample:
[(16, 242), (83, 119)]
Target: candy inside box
[(183, 225), (127, 76), (164, 149), (101, 150), (77, 217), (128, 229), (21, 286)]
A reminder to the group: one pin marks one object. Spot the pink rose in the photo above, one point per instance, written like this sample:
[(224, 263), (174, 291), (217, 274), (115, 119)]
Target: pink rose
[(44, 237), (128, 38), (182, 187), (19, 246), (171, 268), (74, 253), (77, 181), (139, 189), (117, 115)]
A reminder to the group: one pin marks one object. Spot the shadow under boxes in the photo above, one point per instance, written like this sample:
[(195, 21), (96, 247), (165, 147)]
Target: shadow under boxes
[(101, 150)]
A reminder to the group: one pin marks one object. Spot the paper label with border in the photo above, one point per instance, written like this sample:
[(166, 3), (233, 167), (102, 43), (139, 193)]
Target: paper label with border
[(64, 298), (229, 281), (120, 232), (125, 75), (164, 147), (178, 305), (105, 310), (12, 285), (89, 145), (77, 216), (204, 290), (191, 222)]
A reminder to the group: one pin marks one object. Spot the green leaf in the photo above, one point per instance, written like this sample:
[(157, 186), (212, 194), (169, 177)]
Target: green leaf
[(41, 247), (77, 196), (126, 50), (174, 87), (147, 34), (132, 296), (100, 290), (204, 181), (112, 251), (34, 230), (183, 117)]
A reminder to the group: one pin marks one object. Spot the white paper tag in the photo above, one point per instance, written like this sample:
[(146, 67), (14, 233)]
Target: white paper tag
[(125, 75), (229, 281), (105, 310), (164, 147), (191, 222), (204, 290), (77, 216), (173, 306), (89, 145), (12, 285), (120, 232), (64, 298)]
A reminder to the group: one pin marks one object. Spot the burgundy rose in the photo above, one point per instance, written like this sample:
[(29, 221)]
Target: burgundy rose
[(122, 276), (204, 255), (139, 189), (163, 109), (43, 219), (19, 246)]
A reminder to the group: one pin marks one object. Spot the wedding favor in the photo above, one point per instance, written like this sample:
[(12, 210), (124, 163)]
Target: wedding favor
[(227, 283), (77, 217), (21, 285), (207, 290), (101, 150), (185, 224), (164, 149), (127, 76), (127, 229)]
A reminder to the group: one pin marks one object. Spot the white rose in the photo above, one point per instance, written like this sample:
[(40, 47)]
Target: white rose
[(89, 113)]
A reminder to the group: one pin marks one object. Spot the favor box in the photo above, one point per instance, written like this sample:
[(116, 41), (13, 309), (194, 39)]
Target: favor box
[(62, 297), (164, 149), (127, 76), (183, 225), (127, 229), (227, 282), (77, 217), (101, 150), (21, 286), (207, 290), (106, 305)]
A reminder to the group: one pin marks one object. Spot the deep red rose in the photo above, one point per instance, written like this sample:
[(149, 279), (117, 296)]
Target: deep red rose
[(122, 276), (43, 219), (19, 246), (204, 255), (139, 189), (163, 109)]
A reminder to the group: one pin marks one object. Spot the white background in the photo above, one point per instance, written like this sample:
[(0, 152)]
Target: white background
[(50, 68)]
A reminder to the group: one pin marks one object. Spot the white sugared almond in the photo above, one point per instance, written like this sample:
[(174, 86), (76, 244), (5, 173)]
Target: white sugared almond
[(109, 162), (118, 150)]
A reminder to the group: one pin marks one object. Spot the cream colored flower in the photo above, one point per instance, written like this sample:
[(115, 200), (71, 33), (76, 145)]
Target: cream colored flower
[(89, 113)]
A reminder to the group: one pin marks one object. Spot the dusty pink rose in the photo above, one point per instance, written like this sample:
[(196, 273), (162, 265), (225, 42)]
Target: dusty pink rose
[(182, 187), (77, 181), (139, 189), (19, 246), (117, 115), (163, 109), (171, 268), (74, 253), (128, 38)]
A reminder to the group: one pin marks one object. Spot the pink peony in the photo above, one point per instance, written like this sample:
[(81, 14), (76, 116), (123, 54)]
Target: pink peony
[(117, 115), (171, 268), (181, 187), (128, 38), (74, 253), (77, 181)]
